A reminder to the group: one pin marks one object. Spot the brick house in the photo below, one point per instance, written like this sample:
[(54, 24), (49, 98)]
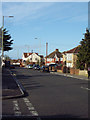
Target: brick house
[(54, 57), (70, 57)]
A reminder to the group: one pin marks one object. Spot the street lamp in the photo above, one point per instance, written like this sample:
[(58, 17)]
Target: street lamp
[(2, 36), (39, 49), (66, 63), (40, 46)]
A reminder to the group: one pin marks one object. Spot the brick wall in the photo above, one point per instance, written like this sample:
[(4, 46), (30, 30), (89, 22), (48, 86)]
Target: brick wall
[(74, 71)]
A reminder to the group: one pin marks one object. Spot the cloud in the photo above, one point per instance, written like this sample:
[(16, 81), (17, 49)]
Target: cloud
[(24, 10)]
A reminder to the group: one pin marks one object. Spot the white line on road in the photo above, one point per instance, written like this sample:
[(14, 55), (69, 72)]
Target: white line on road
[(16, 108), (85, 88), (30, 107)]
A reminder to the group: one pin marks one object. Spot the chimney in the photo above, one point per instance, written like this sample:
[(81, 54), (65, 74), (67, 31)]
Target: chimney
[(56, 50), (27, 54)]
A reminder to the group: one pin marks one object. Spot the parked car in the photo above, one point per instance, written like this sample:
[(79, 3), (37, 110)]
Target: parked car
[(44, 68), (36, 67), (12, 67), (53, 67), (29, 66)]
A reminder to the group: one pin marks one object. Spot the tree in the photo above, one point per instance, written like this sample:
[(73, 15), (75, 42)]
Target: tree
[(7, 41), (7, 57), (83, 57), (0, 38)]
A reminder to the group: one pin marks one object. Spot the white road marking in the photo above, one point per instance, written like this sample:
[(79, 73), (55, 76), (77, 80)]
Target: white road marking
[(14, 74), (16, 108), (85, 88), (30, 107)]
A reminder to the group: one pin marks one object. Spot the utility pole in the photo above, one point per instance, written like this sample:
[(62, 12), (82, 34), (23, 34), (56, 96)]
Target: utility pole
[(46, 51)]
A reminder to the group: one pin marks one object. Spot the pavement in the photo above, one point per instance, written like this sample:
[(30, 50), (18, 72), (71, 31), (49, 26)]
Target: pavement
[(11, 87), (82, 77)]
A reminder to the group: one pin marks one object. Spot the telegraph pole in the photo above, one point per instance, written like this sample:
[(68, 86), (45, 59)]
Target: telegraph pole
[(46, 51)]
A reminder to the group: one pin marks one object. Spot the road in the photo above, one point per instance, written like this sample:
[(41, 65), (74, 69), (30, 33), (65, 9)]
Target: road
[(49, 95)]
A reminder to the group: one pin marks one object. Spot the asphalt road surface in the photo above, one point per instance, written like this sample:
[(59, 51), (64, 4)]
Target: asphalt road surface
[(48, 95)]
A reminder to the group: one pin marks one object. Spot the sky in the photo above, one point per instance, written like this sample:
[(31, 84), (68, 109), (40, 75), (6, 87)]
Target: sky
[(61, 24)]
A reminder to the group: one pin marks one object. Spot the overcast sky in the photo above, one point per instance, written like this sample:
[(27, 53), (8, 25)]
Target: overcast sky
[(61, 24)]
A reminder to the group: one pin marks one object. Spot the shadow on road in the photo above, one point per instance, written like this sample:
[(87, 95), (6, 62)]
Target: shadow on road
[(52, 117), (28, 85)]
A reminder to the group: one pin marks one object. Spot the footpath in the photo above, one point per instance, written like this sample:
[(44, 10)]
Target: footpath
[(10, 85), (73, 76)]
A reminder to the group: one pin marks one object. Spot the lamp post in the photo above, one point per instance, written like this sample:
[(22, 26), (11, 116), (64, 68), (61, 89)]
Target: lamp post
[(39, 49), (3, 36), (66, 63), (40, 46)]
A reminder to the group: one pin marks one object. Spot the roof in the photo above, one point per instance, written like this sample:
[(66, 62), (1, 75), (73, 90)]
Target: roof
[(15, 60), (56, 52), (41, 56), (28, 54), (74, 50)]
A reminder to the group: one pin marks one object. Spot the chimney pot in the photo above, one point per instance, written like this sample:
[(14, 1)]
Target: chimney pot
[(57, 50)]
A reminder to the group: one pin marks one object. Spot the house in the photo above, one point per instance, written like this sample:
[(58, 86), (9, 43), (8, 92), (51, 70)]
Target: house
[(54, 57), (16, 62), (70, 57), (32, 58)]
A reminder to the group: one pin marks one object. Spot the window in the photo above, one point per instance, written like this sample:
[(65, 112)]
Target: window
[(49, 59), (69, 56), (30, 58), (35, 58), (24, 61), (69, 64), (56, 59)]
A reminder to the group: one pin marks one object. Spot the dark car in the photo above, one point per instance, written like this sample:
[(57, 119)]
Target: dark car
[(44, 69), (30, 66), (12, 67), (36, 67), (53, 67)]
